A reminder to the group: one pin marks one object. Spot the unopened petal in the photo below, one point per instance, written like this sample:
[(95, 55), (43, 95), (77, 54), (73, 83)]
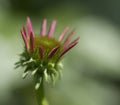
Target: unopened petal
[(63, 33), (72, 44), (43, 27), (69, 37), (24, 39), (51, 29), (53, 51), (29, 26), (41, 52), (31, 42)]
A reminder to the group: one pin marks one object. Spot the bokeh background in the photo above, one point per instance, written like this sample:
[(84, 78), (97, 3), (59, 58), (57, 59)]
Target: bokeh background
[(91, 74)]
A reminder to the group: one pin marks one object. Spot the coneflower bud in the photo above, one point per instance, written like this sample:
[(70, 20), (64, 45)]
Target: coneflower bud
[(43, 53)]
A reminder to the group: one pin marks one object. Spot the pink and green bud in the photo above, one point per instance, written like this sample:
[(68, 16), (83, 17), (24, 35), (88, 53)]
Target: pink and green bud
[(43, 53)]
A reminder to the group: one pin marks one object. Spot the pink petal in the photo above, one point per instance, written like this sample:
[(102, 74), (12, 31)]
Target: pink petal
[(31, 42), (67, 49), (63, 33), (53, 51), (51, 29), (69, 37), (43, 27), (29, 26), (24, 39), (41, 52), (24, 30), (72, 44), (74, 41)]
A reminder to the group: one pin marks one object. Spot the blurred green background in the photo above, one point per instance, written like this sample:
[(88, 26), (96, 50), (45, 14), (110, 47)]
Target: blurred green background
[(91, 74)]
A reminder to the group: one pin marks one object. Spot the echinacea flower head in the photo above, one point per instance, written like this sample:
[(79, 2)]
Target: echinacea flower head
[(43, 53)]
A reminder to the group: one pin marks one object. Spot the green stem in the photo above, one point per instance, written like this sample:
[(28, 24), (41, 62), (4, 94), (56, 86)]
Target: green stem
[(40, 93)]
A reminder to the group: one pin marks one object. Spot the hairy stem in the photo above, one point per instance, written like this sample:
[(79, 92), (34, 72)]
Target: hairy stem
[(40, 94)]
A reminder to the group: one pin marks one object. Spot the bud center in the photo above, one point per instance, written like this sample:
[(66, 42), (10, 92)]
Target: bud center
[(47, 44)]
